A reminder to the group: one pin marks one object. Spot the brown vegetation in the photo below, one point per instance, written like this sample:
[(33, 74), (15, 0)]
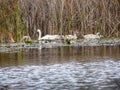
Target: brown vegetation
[(10, 20), (62, 16)]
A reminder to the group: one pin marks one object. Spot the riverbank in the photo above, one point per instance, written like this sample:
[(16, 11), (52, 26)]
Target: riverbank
[(5, 47)]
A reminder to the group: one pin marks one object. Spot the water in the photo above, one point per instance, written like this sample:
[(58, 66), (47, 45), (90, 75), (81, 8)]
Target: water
[(61, 68)]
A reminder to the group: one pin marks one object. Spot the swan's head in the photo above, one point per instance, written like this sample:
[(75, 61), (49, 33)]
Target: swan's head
[(38, 30), (98, 33)]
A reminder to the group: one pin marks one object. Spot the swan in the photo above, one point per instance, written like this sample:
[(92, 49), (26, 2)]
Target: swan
[(71, 36), (92, 36), (26, 39), (50, 37), (47, 37)]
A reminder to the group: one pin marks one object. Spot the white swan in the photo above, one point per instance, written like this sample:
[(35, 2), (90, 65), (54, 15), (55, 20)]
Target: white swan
[(92, 36), (48, 37)]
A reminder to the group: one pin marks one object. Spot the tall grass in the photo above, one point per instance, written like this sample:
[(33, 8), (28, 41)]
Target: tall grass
[(60, 17), (67, 16), (10, 20)]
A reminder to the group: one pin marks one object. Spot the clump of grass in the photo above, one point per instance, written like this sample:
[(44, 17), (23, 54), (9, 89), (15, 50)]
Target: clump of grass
[(67, 41), (28, 42)]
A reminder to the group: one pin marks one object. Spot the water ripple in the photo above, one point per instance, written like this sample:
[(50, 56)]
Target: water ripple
[(68, 76)]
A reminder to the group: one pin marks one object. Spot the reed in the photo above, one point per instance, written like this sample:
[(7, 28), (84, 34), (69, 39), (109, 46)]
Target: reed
[(60, 17), (66, 16), (10, 21)]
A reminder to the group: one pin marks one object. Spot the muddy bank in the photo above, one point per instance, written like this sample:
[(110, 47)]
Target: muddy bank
[(7, 47), (57, 65)]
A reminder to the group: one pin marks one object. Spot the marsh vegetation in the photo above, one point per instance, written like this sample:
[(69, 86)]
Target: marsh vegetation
[(24, 17)]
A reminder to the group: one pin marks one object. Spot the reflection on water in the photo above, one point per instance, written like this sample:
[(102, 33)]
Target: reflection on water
[(58, 55), (61, 68)]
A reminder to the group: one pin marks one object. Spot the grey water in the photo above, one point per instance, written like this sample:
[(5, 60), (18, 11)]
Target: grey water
[(61, 68)]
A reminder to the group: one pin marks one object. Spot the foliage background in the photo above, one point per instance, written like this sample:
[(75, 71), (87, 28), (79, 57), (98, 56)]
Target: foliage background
[(24, 17)]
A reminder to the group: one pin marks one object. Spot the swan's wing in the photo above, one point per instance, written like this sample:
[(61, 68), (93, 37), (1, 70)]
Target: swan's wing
[(70, 37), (50, 37), (91, 36)]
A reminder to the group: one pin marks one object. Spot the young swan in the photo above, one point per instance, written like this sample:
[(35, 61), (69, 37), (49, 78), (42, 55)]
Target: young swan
[(70, 36), (92, 36), (26, 39)]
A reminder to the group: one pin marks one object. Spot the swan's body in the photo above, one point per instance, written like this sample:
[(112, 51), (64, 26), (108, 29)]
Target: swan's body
[(48, 37), (70, 36), (92, 36), (26, 38)]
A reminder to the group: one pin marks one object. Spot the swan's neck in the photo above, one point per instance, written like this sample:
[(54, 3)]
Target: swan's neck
[(39, 33)]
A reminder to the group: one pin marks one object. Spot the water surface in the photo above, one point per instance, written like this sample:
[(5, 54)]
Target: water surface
[(61, 68), (43, 56)]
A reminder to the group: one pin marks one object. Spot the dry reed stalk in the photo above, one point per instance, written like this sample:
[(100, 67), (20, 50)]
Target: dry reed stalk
[(63, 17)]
